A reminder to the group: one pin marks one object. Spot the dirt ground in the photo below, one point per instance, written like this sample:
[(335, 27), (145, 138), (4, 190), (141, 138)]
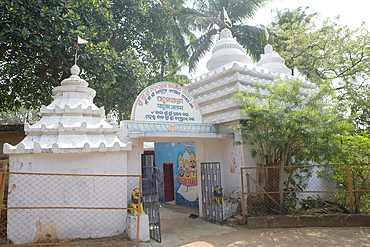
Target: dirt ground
[(349, 236), (180, 230)]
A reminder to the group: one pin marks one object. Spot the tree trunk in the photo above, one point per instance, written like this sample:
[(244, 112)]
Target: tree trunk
[(162, 71)]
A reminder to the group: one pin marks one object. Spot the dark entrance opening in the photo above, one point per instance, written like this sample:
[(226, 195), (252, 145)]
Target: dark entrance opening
[(168, 182), (147, 159)]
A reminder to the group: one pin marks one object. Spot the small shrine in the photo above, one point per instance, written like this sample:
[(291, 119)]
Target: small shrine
[(72, 137)]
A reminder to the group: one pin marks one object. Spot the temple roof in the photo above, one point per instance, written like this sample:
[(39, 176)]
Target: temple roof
[(72, 123), (231, 71), (227, 50), (273, 62)]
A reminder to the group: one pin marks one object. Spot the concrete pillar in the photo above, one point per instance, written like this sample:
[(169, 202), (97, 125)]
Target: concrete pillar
[(199, 153)]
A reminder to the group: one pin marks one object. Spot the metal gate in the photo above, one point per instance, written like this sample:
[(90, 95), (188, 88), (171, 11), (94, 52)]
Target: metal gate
[(150, 177), (211, 192)]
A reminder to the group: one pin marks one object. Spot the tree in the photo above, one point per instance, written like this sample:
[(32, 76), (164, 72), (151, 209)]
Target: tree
[(20, 116), (288, 126), (356, 151), (37, 49), (328, 54), (287, 20), (207, 17)]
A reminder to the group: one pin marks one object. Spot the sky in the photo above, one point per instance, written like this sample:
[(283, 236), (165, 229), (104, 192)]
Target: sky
[(352, 13)]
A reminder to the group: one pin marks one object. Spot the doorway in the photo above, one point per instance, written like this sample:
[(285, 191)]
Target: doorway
[(168, 182), (147, 159)]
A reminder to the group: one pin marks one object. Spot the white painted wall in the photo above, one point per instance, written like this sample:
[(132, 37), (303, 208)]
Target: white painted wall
[(86, 163), (28, 225), (134, 164), (134, 158), (230, 157)]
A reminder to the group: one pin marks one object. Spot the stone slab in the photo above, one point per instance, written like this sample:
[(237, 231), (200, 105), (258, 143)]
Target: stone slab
[(144, 234)]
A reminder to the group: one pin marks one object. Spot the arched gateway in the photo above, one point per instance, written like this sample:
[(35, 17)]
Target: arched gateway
[(168, 115)]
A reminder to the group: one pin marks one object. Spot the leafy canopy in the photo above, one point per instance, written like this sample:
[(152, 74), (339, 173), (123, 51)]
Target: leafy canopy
[(208, 18), (290, 123), (37, 47), (329, 54)]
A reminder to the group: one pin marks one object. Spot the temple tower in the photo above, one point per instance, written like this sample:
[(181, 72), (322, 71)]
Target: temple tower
[(72, 137)]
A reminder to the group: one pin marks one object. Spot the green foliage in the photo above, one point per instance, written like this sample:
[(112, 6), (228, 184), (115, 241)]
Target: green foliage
[(356, 151), (291, 125), (283, 125), (311, 202), (19, 117), (207, 17), (327, 54), (296, 181), (128, 43)]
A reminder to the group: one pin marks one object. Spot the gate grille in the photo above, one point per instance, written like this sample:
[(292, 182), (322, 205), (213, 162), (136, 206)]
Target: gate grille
[(151, 201), (211, 177)]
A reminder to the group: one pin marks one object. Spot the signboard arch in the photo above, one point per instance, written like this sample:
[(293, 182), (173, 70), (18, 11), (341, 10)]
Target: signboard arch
[(166, 102)]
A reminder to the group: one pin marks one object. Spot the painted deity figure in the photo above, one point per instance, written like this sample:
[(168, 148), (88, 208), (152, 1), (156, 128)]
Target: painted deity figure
[(193, 165), (187, 168), (188, 178), (181, 165)]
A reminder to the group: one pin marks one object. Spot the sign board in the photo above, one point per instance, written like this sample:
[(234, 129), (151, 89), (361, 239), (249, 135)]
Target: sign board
[(166, 102)]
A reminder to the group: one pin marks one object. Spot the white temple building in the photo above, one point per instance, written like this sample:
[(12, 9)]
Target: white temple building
[(192, 123), (72, 137)]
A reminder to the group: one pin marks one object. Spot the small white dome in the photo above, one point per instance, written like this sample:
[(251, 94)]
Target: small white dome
[(273, 62), (72, 123), (227, 50)]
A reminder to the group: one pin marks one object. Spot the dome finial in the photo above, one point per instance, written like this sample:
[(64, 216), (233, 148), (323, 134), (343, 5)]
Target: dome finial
[(226, 33), (268, 49), (74, 79), (75, 70)]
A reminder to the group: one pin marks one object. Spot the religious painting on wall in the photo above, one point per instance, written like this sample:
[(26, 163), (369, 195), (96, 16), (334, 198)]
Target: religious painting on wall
[(182, 156), (187, 176)]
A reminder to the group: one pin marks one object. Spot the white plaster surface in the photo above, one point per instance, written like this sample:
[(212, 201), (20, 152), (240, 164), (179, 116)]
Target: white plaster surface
[(273, 62), (27, 190), (72, 123), (144, 234), (231, 71), (93, 163), (230, 209), (227, 50), (63, 224), (230, 157), (72, 138)]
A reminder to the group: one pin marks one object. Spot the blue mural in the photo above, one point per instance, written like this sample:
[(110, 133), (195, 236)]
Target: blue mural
[(182, 155)]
